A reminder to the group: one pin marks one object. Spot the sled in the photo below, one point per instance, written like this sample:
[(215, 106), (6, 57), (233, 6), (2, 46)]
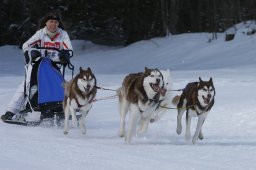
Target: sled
[(27, 123), (43, 91)]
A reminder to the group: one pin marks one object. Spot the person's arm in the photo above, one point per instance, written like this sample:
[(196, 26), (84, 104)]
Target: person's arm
[(66, 41), (34, 40), (65, 54), (31, 55)]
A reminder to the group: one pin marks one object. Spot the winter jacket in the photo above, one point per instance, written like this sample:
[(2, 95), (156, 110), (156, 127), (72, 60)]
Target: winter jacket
[(41, 39)]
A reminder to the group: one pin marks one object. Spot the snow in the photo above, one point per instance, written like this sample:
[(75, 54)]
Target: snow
[(229, 130)]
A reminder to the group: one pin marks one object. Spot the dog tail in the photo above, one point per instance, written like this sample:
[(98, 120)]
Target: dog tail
[(176, 100), (66, 86), (120, 93)]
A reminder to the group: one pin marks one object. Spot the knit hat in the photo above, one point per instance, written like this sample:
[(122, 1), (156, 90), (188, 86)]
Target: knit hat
[(52, 17)]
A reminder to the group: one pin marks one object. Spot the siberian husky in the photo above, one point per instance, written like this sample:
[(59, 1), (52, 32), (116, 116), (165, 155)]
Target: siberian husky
[(197, 99), (79, 94), (139, 94), (165, 100)]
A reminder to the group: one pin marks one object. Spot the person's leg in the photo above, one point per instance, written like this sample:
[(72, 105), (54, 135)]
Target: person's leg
[(16, 104)]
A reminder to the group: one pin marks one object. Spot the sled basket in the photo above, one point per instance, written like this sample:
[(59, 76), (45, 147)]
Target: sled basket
[(50, 84), (45, 91)]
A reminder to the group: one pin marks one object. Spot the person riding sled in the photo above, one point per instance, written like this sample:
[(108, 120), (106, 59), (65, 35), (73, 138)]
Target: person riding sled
[(51, 34)]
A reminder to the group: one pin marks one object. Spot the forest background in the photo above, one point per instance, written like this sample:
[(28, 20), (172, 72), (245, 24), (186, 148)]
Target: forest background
[(122, 22)]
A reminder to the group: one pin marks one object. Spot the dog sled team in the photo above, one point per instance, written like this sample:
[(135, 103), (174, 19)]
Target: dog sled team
[(145, 96)]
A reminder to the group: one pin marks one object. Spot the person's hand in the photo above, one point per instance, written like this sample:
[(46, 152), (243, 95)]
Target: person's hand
[(64, 56)]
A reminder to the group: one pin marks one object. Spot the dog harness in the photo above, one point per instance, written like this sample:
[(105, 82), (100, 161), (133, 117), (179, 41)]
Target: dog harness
[(155, 101), (206, 108), (79, 105)]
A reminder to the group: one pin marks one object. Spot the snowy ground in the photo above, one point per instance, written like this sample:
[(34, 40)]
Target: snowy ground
[(229, 130)]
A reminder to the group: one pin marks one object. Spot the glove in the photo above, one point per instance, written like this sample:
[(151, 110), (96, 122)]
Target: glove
[(34, 54), (64, 56)]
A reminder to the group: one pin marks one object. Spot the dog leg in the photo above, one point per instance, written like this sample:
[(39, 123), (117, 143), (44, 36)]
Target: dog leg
[(74, 119), (200, 122), (82, 122), (132, 123), (179, 121), (201, 136), (66, 112), (188, 123), (157, 116), (123, 109), (144, 122)]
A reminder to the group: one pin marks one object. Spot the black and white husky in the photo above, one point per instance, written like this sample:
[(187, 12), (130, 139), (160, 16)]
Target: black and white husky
[(79, 94), (139, 94), (197, 99)]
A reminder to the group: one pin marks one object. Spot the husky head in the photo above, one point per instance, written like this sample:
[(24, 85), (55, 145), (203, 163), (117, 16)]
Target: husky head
[(153, 81), (86, 80), (206, 92)]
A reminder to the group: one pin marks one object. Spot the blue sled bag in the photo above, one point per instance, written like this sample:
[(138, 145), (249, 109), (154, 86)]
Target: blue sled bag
[(50, 84)]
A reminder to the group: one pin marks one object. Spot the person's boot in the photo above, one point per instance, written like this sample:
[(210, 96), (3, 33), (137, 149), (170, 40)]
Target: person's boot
[(7, 116)]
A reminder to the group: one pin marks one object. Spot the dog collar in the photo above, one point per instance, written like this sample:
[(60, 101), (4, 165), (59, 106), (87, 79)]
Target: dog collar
[(79, 105)]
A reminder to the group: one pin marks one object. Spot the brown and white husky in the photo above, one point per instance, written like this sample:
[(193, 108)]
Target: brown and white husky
[(139, 94), (197, 99), (166, 97), (79, 94)]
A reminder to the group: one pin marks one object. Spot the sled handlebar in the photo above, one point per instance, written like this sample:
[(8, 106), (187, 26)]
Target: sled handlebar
[(56, 49), (70, 66)]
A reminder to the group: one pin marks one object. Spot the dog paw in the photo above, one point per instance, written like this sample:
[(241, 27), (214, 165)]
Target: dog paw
[(127, 140), (65, 132), (201, 136), (194, 141), (121, 132), (179, 130), (152, 120), (121, 135), (83, 132)]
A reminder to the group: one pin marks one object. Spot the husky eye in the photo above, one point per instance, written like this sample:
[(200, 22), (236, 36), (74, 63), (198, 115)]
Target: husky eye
[(151, 75), (204, 89)]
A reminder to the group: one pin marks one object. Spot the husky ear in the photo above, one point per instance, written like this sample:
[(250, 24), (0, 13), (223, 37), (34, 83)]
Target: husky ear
[(200, 79), (146, 69), (210, 80), (80, 69), (89, 69)]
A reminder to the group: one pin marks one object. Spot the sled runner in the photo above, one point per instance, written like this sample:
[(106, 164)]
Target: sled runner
[(43, 90)]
